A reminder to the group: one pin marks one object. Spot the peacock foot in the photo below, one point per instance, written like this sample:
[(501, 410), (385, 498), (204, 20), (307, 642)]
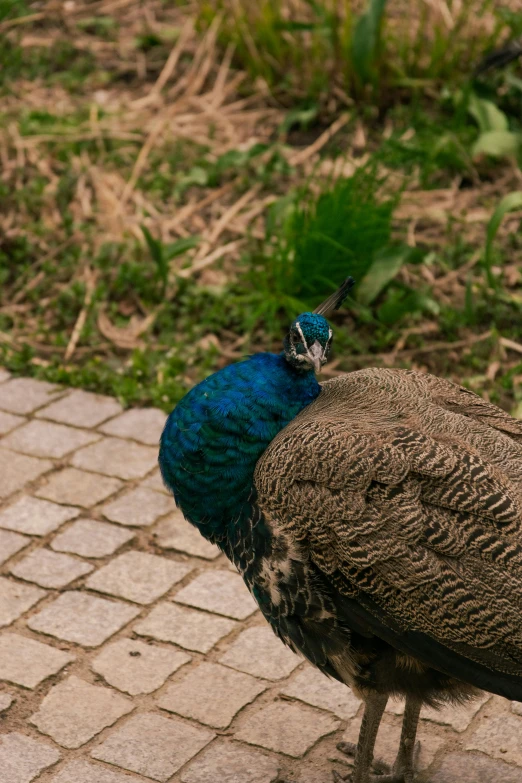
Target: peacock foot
[(381, 772)]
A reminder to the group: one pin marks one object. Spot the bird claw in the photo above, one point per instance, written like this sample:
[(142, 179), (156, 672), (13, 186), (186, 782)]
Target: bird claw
[(379, 767)]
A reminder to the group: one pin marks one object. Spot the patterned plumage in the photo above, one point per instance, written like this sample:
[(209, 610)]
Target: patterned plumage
[(375, 518)]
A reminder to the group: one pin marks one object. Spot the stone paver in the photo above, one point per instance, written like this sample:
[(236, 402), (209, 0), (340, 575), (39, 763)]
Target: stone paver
[(152, 745), (90, 538), (26, 662), (312, 687), (4, 375), (142, 424), (88, 772), (138, 576), (135, 667), (458, 716), (82, 618), (50, 569), (155, 482), (17, 470), (8, 421), (78, 487), (10, 544), (23, 758), (5, 701), (138, 508), (45, 439), (192, 630), (74, 711), (116, 457), (220, 592), (475, 768), (35, 517), (174, 532), (231, 763), (516, 708), (230, 692), (259, 652), (286, 728), (500, 738), (24, 395), (15, 599), (81, 409)]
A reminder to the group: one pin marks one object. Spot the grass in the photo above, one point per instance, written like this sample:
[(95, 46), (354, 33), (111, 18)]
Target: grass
[(170, 196)]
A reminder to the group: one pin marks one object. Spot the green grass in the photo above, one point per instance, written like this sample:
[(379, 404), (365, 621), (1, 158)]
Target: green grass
[(428, 128)]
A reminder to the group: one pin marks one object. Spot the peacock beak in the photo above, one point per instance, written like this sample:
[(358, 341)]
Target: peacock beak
[(316, 356)]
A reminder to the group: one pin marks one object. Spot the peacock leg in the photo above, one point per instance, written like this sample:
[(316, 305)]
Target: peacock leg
[(373, 710), (404, 766), (403, 769)]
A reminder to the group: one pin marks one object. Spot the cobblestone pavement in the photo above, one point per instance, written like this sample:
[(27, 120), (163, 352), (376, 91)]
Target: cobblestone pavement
[(130, 650)]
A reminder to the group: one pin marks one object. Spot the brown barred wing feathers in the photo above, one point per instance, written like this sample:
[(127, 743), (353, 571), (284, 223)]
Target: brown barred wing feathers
[(406, 492)]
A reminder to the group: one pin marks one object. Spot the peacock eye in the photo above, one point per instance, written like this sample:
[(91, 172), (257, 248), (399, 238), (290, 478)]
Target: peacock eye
[(299, 348)]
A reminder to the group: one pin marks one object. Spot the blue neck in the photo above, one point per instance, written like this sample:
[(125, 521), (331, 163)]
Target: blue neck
[(216, 434)]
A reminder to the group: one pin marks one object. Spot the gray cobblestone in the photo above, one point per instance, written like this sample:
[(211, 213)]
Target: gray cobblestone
[(8, 421), (45, 439), (192, 630), (116, 457), (10, 544), (50, 569), (499, 737), (15, 599), (135, 667), (142, 424), (5, 701), (313, 687), (174, 532), (26, 662), (90, 538), (82, 618), (78, 487), (286, 728), (24, 395), (74, 711), (152, 745), (35, 517), (81, 409), (80, 771), (230, 692), (231, 763), (17, 470), (220, 592), (155, 482), (138, 508), (138, 576), (23, 758), (259, 652), (475, 768)]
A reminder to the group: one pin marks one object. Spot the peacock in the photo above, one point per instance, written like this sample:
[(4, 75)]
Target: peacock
[(375, 518)]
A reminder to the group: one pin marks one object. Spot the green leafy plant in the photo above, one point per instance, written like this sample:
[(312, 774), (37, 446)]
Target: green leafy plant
[(507, 204), (162, 254), (495, 139)]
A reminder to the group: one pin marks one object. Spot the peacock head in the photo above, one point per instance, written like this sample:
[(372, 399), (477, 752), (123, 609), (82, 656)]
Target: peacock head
[(308, 342)]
